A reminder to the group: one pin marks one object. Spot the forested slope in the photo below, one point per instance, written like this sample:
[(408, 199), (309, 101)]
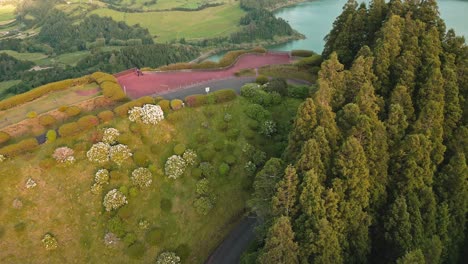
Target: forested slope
[(378, 168)]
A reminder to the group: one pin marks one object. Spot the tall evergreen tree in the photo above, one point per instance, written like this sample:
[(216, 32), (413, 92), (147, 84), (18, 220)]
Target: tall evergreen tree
[(279, 244), (285, 202)]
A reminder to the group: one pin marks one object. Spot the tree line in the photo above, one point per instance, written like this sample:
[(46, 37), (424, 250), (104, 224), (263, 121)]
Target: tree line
[(375, 169)]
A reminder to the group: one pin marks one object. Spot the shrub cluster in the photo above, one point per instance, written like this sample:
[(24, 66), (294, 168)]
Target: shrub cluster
[(102, 177), (119, 153), (69, 129), (142, 177), (255, 94), (219, 96), (168, 258), (190, 157), (148, 114), (110, 135), (109, 85), (64, 155), (114, 199), (165, 105), (73, 111), (99, 153), (302, 53), (19, 148), (47, 120), (176, 104), (106, 116), (49, 242), (122, 110), (87, 122), (175, 167), (311, 61)]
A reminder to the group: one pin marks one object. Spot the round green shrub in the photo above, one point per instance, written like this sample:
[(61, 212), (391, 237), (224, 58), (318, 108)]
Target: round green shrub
[(73, 111), (218, 145), (207, 154), (51, 136), (165, 105), (106, 116), (137, 250), (166, 205), (179, 149), (223, 169), (154, 149), (233, 133), (31, 115), (133, 191), (249, 134), (116, 226), (196, 173), (123, 189), (183, 251), (47, 120), (202, 138), (63, 108), (230, 159), (254, 125), (140, 159), (125, 139), (154, 236), (261, 79), (176, 104)]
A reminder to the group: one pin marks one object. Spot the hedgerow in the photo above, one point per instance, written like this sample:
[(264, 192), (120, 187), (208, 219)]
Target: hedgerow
[(19, 148)]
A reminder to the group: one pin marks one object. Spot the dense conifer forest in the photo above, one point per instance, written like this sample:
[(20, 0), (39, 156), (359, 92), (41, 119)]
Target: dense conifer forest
[(375, 170)]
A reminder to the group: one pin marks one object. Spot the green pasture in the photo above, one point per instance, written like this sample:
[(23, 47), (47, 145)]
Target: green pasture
[(7, 84), (166, 26), (7, 12), (34, 57)]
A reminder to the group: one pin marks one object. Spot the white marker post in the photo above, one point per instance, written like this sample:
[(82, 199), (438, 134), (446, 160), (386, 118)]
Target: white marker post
[(207, 90)]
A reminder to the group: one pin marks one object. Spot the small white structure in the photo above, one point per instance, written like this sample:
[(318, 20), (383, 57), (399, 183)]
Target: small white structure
[(207, 90)]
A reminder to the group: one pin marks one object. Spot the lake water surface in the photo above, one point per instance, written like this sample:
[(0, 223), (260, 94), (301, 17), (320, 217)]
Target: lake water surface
[(314, 19)]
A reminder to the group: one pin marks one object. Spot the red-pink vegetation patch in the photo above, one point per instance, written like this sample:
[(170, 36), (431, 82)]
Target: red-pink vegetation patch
[(87, 92), (160, 82)]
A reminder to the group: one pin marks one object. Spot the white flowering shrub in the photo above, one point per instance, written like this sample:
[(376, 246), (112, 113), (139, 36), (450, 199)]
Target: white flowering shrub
[(49, 242), (143, 224), (102, 177), (114, 199), (30, 183), (2, 158), (96, 188), (168, 258), (148, 114), (190, 157), (111, 239), (110, 136), (119, 153), (175, 167), (142, 177), (268, 128), (99, 153), (64, 155)]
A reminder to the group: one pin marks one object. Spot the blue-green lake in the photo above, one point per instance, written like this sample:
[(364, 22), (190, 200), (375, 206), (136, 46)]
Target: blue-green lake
[(314, 19)]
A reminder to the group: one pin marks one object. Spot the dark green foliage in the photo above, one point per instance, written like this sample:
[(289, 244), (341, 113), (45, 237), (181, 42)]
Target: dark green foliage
[(136, 251), (179, 149), (261, 79), (196, 173), (230, 159), (166, 205), (279, 245), (116, 226), (129, 238), (10, 68), (154, 236), (125, 212), (183, 251), (278, 85), (140, 159)]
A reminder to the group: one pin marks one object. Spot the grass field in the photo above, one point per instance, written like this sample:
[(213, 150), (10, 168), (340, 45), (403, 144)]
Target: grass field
[(34, 57), (62, 204), (7, 13), (44, 104), (166, 26), (7, 84)]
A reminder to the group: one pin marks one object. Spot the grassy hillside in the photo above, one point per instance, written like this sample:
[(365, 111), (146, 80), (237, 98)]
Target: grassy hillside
[(63, 205)]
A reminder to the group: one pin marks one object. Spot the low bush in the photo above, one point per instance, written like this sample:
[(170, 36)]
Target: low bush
[(230, 159), (166, 205), (196, 173), (301, 92), (278, 85), (122, 110), (261, 79), (130, 238), (73, 111), (113, 91), (19, 148), (165, 105), (106, 116), (179, 149), (51, 136), (47, 120), (154, 237), (4, 137), (257, 112), (218, 145), (207, 154), (223, 169), (125, 212), (302, 53), (88, 122), (31, 115), (62, 108), (312, 61), (69, 129), (233, 133), (203, 205), (254, 125), (225, 95), (176, 104), (137, 250), (140, 159), (196, 100)]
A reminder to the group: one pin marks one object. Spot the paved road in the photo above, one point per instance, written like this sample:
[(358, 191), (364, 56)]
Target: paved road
[(230, 251), (231, 83)]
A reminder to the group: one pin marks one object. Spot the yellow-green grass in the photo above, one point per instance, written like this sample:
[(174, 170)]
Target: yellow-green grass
[(44, 104), (287, 72), (7, 84), (166, 26), (7, 12), (63, 205), (35, 57)]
